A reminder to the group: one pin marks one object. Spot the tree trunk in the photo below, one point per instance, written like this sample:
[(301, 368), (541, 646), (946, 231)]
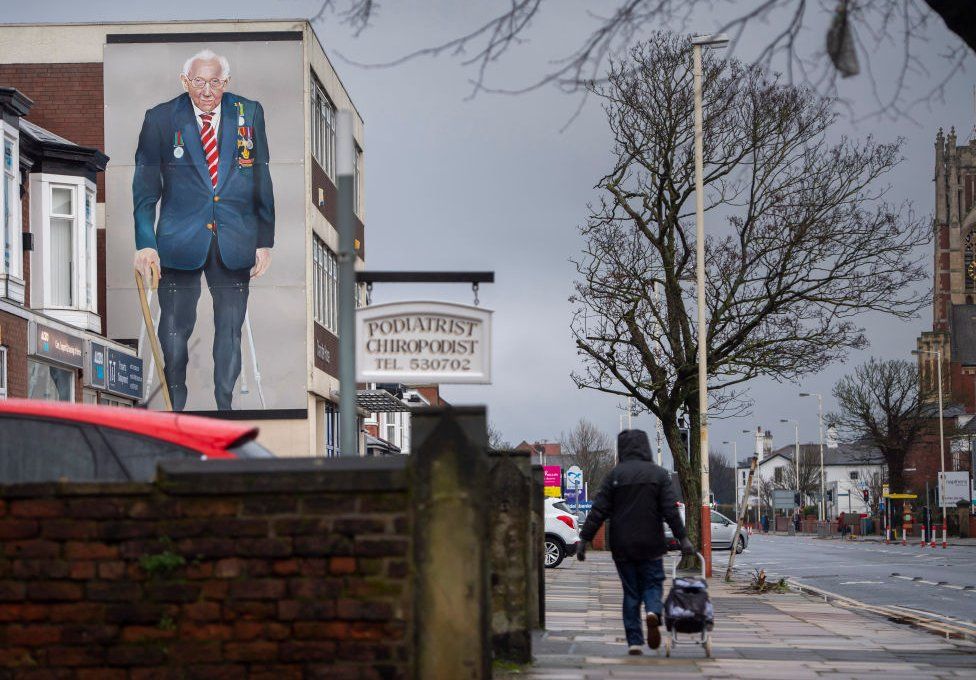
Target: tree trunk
[(689, 477)]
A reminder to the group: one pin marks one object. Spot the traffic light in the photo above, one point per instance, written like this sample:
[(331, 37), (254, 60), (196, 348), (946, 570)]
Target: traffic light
[(866, 497), (830, 496), (796, 499), (686, 439)]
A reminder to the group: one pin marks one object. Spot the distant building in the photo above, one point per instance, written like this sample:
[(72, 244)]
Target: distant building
[(388, 427), (545, 453), (849, 469)]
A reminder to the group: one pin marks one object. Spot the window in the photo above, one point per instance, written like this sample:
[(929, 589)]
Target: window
[(62, 246), (10, 238), (323, 129), (854, 476), (325, 272), (778, 475), (969, 271), (49, 383), (331, 429), (42, 451), (391, 433), (64, 270), (3, 372), (140, 455)]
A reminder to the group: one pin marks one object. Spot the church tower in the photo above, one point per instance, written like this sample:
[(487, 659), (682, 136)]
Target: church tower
[(953, 331)]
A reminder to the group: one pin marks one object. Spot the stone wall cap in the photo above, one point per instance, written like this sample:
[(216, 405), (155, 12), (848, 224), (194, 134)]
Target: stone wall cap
[(274, 475)]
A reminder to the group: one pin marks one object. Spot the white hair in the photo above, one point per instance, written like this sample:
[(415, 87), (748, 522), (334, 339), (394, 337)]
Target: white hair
[(208, 55)]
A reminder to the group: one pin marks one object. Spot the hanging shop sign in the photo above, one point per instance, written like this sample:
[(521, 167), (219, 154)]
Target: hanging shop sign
[(114, 371), (58, 346), (423, 343)]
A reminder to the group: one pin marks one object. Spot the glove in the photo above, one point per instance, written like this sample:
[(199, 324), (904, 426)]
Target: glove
[(686, 547), (581, 551)]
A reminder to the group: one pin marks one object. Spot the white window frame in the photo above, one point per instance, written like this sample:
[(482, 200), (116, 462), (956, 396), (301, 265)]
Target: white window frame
[(331, 438), (323, 125), (3, 372), (11, 220), (83, 311), (325, 273)]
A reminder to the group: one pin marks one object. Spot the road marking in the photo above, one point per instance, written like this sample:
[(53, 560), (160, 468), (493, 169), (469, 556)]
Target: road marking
[(860, 583)]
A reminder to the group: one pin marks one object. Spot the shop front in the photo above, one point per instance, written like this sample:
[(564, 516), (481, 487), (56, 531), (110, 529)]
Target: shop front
[(54, 362), (112, 377)]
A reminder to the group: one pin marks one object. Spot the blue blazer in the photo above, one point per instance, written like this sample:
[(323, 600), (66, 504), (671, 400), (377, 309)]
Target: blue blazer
[(240, 210)]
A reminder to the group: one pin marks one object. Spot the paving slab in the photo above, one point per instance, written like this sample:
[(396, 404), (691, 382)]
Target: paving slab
[(756, 637)]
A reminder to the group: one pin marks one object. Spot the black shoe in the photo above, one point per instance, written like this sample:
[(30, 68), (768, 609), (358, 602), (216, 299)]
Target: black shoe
[(653, 632)]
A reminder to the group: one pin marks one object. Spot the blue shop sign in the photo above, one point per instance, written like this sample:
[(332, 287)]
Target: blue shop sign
[(123, 374), (96, 366)]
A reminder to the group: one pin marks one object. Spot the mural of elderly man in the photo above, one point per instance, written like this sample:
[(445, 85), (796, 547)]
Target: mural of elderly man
[(203, 158)]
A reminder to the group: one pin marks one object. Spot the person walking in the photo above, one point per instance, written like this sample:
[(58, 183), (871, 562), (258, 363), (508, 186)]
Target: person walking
[(636, 496)]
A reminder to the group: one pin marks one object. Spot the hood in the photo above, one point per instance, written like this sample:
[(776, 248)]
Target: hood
[(633, 445)]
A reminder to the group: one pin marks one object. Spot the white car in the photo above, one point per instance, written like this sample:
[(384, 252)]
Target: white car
[(562, 532)]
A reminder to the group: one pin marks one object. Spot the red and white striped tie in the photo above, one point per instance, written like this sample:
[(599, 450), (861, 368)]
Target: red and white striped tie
[(209, 139)]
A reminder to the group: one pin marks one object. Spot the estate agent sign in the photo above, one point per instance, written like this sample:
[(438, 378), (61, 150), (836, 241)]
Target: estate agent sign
[(423, 343)]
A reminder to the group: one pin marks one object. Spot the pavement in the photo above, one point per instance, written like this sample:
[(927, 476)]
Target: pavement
[(923, 580), (768, 636)]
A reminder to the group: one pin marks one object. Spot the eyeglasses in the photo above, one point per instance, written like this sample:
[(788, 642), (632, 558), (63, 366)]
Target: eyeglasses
[(214, 83)]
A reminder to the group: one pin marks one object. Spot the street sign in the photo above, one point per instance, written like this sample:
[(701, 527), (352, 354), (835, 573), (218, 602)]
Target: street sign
[(953, 487), (423, 343), (585, 506), (783, 499), (574, 477), (552, 476)]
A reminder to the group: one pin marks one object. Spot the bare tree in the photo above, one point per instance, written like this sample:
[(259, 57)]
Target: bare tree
[(589, 447), (801, 473), (807, 243), (853, 31), (496, 441), (884, 403), (722, 477), (874, 481)]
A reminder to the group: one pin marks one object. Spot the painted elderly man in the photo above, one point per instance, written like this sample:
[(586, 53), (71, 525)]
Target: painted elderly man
[(203, 157)]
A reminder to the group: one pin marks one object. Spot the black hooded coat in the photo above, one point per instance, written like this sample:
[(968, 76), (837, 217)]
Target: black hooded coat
[(637, 498)]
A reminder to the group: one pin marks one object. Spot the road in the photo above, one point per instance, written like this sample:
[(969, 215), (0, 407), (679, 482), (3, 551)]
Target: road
[(940, 581)]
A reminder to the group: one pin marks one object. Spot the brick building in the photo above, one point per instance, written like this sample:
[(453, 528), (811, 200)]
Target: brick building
[(52, 343)]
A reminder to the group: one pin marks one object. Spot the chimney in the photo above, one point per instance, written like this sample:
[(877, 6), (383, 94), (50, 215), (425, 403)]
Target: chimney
[(760, 444), (830, 440), (768, 443)]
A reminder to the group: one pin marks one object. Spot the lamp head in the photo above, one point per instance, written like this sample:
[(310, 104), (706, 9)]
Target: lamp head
[(716, 41), (804, 394)]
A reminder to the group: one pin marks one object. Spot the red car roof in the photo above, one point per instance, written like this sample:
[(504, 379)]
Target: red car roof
[(209, 436)]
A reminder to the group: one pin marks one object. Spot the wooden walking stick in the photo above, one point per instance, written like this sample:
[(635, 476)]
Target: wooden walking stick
[(153, 340)]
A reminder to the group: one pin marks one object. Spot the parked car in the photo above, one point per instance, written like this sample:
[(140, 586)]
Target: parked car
[(723, 531), (561, 532), (43, 441)]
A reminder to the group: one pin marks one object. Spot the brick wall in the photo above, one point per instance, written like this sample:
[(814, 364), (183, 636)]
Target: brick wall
[(222, 569), (14, 338), (68, 101)]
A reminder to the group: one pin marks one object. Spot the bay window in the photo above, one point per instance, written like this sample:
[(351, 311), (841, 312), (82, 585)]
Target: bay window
[(64, 270), (11, 239)]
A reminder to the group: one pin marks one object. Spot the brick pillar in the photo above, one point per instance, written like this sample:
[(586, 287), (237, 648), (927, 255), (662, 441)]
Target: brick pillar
[(451, 522), (512, 554)]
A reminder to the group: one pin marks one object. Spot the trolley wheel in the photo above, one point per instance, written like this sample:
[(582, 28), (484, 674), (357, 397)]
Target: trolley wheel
[(667, 647), (708, 648)]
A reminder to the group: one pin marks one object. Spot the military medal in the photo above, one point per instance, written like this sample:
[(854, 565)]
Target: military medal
[(244, 145), (240, 113), (178, 145)]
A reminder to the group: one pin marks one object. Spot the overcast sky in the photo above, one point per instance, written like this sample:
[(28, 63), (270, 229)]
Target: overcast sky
[(492, 183)]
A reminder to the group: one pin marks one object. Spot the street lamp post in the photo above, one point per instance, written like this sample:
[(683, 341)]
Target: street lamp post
[(823, 484), (697, 42), (739, 501), (938, 366), (796, 451)]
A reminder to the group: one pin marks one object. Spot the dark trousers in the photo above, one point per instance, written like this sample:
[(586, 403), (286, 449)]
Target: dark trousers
[(643, 582), (179, 292)]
